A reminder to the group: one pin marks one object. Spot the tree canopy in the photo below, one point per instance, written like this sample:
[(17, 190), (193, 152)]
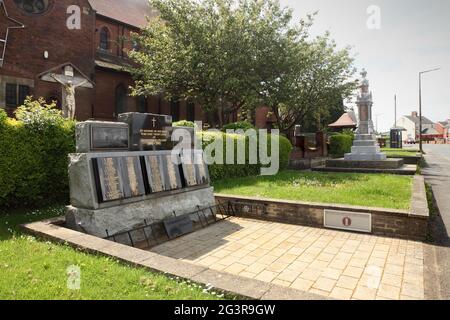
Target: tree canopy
[(231, 55)]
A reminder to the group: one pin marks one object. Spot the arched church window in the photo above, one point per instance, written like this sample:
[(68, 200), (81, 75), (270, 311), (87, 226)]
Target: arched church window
[(33, 6), (104, 39), (121, 99), (142, 104)]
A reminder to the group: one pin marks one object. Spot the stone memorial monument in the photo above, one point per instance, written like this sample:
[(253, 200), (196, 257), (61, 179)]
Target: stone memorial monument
[(365, 146), (114, 189), (366, 155)]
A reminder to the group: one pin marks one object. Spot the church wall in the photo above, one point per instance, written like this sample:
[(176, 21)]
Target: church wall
[(24, 57)]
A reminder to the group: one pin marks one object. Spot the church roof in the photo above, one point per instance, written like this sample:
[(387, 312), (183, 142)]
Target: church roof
[(131, 12), (347, 120)]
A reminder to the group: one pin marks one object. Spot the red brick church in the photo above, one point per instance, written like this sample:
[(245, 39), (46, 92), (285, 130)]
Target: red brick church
[(93, 36)]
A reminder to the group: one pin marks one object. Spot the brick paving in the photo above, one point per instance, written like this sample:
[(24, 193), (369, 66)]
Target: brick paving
[(329, 263)]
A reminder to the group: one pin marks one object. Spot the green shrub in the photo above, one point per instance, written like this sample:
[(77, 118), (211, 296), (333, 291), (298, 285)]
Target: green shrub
[(244, 125), (33, 155), (3, 115), (222, 171), (285, 152), (184, 123), (340, 144)]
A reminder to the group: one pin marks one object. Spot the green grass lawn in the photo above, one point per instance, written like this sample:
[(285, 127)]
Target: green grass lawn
[(400, 152), (34, 269), (373, 190)]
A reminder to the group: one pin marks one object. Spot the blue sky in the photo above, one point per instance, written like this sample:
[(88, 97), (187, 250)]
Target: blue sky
[(414, 36)]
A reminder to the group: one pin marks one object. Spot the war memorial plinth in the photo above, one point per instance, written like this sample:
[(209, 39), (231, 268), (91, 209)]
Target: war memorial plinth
[(117, 182)]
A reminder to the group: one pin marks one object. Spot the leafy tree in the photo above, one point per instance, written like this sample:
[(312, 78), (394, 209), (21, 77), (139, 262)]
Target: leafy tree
[(237, 55)]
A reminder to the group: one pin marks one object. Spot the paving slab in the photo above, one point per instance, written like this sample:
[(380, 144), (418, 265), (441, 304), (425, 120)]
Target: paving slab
[(315, 262), (243, 287)]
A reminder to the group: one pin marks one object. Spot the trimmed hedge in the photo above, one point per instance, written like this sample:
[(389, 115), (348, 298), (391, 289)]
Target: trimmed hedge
[(34, 156), (33, 159), (184, 123), (222, 171), (340, 144), (244, 125)]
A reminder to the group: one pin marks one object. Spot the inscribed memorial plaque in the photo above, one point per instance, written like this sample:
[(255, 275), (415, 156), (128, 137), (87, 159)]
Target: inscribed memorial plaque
[(110, 180), (190, 176), (148, 131), (132, 177), (202, 170), (153, 166), (172, 174)]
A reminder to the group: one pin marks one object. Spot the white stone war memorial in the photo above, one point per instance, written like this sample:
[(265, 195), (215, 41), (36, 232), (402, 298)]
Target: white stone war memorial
[(366, 155), (126, 181), (365, 146)]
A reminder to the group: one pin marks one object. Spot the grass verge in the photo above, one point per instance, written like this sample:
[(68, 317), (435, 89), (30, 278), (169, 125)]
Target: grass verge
[(372, 190), (38, 270), (400, 152)]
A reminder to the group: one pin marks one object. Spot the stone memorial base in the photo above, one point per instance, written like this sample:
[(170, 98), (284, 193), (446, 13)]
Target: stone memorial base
[(128, 216), (391, 166), (371, 164), (365, 148)]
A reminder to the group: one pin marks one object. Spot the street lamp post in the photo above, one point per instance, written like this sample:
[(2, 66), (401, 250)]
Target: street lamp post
[(376, 121), (420, 105)]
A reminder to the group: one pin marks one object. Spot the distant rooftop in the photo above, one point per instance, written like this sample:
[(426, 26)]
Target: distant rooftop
[(131, 12), (414, 117), (347, 120)]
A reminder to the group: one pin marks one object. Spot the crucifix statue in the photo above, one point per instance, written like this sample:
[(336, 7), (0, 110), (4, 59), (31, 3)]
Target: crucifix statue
[(69, 83)]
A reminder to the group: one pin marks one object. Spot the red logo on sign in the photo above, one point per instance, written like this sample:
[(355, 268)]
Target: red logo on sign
[(347, 222)]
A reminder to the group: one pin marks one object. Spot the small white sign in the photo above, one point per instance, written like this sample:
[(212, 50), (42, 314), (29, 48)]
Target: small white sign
[(346, 220)]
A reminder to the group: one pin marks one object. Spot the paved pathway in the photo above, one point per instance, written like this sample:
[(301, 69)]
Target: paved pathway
[(329, 263), (437, 174)]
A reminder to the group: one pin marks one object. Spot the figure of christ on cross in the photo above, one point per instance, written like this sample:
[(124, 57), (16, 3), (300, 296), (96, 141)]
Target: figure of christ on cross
[(68, 93)]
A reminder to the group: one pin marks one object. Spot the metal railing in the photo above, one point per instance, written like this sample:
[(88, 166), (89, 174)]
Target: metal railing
[(152, 234)]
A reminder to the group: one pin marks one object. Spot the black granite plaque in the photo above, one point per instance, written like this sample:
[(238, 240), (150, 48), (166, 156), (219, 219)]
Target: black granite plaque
[(105, 137), (109, 184), (201, 169), (195, 170), (178, 226), (190, 174), (133, 180), (171, 173), (154, 173), (148, 131)]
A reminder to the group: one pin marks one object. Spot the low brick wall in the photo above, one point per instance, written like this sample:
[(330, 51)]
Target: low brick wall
[(386, 222)]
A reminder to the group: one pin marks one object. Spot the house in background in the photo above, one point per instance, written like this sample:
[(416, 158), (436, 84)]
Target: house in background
[(443, 127), (411, 124)]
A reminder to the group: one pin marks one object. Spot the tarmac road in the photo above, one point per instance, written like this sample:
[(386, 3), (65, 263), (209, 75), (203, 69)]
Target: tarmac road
[(437, 255)]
